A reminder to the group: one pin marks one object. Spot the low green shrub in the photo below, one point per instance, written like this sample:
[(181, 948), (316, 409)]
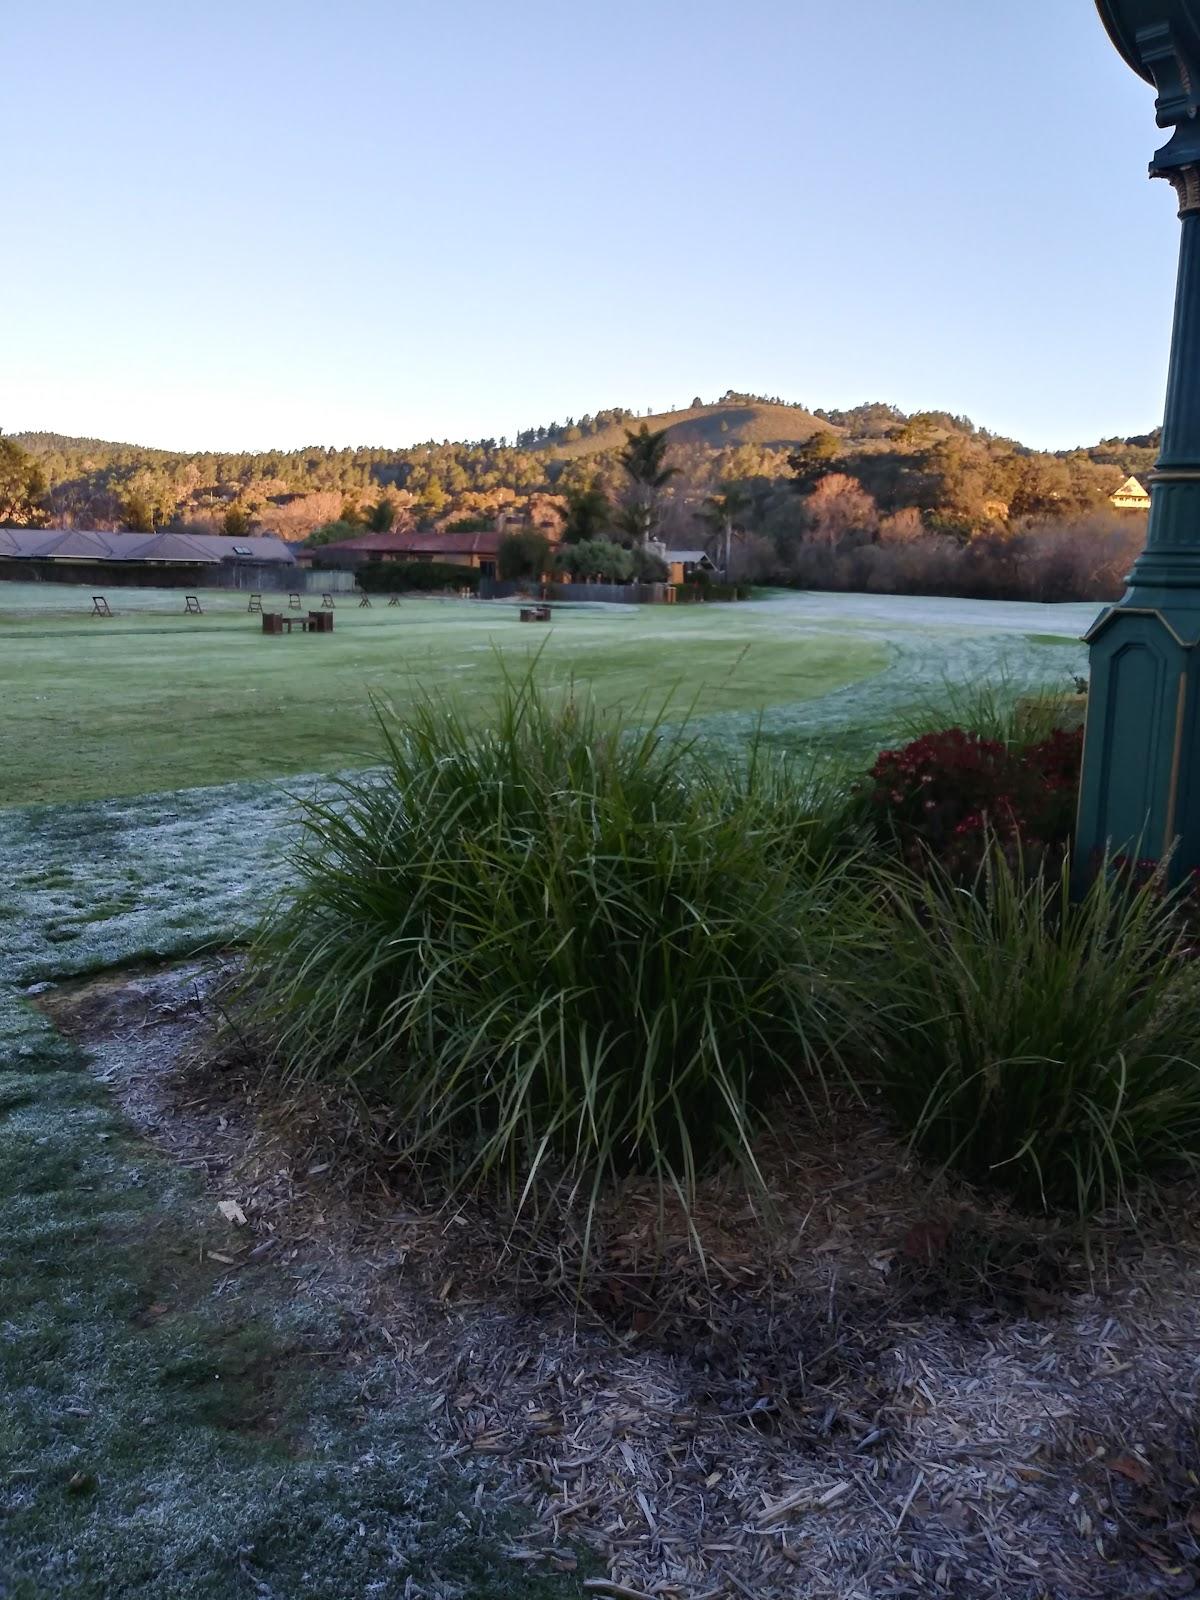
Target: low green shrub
[(1047, 1046), (558, 941), (389, 577), (648, 566), (595, 561), (693, 591)]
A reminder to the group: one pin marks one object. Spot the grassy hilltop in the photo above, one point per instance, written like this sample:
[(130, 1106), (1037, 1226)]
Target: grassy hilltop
[(720, 426)]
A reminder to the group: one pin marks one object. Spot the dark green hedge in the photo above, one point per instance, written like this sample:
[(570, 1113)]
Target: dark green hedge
[(712, 591), (388, 577)]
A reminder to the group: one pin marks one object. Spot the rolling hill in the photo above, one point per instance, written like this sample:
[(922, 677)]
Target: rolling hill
[(719, 426), (716, 427)]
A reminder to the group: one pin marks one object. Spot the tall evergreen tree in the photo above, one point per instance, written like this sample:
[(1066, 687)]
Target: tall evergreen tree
[(22, 486), (813, 460)]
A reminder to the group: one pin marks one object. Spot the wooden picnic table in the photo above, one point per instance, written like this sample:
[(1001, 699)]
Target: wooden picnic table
[(281, 622)]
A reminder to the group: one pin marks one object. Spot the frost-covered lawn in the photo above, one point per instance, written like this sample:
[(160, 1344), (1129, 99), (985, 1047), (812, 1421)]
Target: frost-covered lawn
[(154, 700), (177, 1423), (111, 881), (103, 880), (166, 1427)]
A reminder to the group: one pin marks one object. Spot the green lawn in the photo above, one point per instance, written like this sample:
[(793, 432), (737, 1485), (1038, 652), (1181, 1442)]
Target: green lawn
[(154, 699), (177, 1427), (168, 1429)]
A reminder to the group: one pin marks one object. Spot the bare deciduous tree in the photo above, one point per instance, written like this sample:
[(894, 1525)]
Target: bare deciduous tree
[(838, 507)]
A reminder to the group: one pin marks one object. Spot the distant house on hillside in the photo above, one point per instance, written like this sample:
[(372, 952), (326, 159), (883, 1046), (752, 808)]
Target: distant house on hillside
[(1131, 496), (459, 549)]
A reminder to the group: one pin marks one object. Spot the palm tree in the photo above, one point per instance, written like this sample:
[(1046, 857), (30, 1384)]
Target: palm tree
[(637, 520), (724, 511), (381, 516), (644, 456), (644, 459)]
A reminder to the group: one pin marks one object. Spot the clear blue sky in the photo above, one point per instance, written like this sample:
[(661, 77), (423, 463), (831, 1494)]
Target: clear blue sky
[(263, 223)]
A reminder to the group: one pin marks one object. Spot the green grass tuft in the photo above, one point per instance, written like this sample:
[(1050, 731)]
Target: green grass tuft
[(1000, 708), (568, 941), (1046, 1046)]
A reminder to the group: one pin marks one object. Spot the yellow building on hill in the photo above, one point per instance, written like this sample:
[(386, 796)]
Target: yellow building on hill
[(1131, 496)]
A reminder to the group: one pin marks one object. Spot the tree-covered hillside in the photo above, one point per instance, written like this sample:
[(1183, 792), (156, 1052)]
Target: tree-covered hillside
[(767, 482)]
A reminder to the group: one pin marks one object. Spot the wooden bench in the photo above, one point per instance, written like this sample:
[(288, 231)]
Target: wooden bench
[(320, 622), (277, 622)]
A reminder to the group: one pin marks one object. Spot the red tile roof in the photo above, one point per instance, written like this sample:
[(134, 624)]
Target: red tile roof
[(417, 545)]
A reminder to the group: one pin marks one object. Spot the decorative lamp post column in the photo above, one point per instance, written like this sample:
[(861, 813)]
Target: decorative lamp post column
[(1140, 788)]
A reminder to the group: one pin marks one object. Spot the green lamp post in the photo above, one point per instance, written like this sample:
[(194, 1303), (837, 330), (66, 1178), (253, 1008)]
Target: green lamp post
[(1140, 789)]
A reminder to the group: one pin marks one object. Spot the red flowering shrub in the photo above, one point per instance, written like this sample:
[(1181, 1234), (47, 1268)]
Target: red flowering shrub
[(1053, 767), (946, 792)]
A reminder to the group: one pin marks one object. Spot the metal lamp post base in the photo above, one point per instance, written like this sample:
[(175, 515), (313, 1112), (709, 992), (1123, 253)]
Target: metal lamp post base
[(1140, 786)]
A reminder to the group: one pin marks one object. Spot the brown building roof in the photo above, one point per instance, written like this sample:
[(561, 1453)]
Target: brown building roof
[(174, 547), (76, 544), (189, 549), (430, 545)]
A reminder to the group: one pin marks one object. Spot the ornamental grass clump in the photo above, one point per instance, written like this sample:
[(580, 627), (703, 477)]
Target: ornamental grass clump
[(1047, 1046), (558, 943)]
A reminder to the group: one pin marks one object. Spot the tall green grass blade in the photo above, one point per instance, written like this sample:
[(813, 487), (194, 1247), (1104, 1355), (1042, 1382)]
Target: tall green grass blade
[(562, 946)]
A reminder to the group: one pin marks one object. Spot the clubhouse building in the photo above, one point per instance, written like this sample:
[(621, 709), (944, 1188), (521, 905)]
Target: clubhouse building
[(167, 559)]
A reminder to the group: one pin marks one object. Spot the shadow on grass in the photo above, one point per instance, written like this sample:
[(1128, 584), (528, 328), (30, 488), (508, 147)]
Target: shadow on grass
[(180, 1425)]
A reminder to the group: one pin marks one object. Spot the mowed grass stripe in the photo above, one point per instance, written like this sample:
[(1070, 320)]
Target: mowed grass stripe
[(120, 709)]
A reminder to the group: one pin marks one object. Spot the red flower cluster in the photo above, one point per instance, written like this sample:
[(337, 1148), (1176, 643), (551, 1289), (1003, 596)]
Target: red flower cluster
[(946, 791)]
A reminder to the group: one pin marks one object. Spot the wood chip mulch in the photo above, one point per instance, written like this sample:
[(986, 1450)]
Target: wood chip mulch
[(894, 1388)]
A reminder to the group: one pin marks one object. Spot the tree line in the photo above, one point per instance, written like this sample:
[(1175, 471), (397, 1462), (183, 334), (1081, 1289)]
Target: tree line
[(800, 510)]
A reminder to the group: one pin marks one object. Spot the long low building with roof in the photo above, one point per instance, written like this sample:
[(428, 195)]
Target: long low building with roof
[(170, 557), (476, 549)]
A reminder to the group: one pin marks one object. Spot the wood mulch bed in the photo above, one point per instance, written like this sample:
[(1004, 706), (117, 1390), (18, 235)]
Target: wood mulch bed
[(894, 1389)]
